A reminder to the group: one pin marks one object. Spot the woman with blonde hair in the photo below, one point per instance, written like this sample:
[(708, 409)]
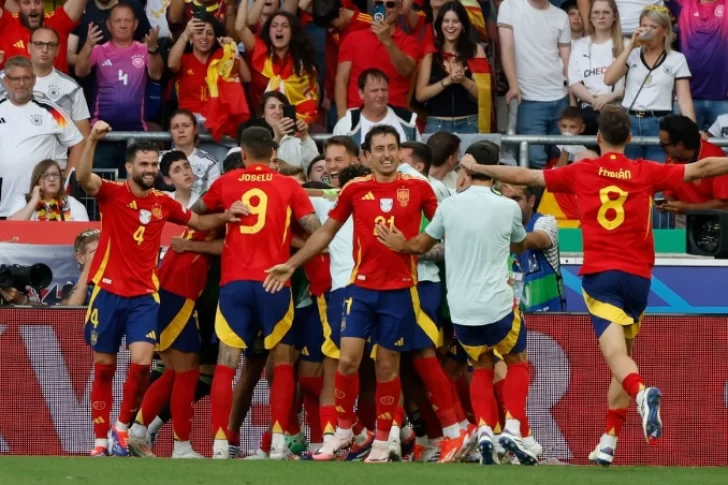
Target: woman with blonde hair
[(46, 200), (590, 57), (653, 73)]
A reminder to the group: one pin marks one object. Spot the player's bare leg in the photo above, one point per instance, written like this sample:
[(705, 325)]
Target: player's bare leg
[(388, 393), (282, 393), (613, 344), (311, 381), (135, 386), (250, 374), (102, 399), (221, 398), (346, 390), (617, 406)]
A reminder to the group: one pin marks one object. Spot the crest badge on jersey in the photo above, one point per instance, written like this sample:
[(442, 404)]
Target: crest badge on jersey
[(157, 211), (386, 204), (36, 120), (403, 197), (144, 216)]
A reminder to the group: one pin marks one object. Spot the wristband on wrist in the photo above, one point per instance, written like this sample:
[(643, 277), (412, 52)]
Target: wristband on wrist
[(330, 192)]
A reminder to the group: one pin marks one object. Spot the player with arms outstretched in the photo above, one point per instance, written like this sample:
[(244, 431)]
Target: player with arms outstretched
[(382, 300), (261, 239), (615, 195), (124, 300)]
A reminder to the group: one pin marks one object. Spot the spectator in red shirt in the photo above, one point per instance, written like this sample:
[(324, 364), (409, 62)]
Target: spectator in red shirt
[(680, 138), (384, 47), (190, 57), (15, 29)]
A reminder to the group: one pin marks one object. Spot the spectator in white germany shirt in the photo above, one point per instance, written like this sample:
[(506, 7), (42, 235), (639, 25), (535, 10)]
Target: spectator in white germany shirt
[(535, 44), (375, 110), (30, 131), (590, 58)]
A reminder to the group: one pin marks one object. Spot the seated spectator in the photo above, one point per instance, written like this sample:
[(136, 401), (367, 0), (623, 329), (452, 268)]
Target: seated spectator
[(653, 72), (79, 292), (454, 78), (98, 13), (33, 130), (282, 59), (590, 58), (575, 23), (535, 42), (54, 86), (190, 58), (205, 169), (385, 47), (445, 155), (295, 144), (375, 110), (177, 172), (16, 30), (703, 26), (680, 138), (46, 200), (317, 169)]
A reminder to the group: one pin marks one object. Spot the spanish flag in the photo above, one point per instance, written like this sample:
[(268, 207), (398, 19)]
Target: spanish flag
[(480, 69), (227, 107), (300, 89), (475, 14), (563, 207)]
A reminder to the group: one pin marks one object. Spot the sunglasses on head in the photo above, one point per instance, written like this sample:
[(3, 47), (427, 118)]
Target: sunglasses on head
[(389, 5)]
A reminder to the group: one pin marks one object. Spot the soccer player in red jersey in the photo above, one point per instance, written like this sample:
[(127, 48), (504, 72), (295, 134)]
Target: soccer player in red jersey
[(16, 28), (382, 301), (615, 196), (124, 300), (261, 239)]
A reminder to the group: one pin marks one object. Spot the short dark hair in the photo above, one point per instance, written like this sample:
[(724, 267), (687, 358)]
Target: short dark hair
[(681, 129), (351, 172), (572, 113), (344, 141), (232, 161), (324, 13), (140, 146), (313, 162), (257, 144), (374, 74), (46, 28), (169, 158), (421, 153), (485, 153), (272, 94), (378, 130), (443, 145), (614, 125)]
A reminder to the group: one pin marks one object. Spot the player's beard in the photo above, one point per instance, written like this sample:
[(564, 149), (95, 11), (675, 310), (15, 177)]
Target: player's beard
[(25, 20), (139, 180)]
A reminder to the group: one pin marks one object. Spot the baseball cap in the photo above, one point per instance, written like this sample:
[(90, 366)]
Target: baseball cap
[(256, 134), (484, 152)]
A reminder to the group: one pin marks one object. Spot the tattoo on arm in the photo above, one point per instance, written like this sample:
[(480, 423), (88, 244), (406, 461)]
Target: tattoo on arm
[(436, 254), (310, 223), (199, 207), (228, 356)]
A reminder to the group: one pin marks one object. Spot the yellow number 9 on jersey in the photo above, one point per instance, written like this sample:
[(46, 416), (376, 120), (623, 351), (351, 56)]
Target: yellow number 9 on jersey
[(607, 220), (258, 210)]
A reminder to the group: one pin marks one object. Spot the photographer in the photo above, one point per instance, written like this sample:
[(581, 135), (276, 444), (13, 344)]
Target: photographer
[(11, 296), (77, 294)]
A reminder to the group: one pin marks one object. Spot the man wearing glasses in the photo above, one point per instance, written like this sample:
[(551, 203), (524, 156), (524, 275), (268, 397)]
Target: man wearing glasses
[(53, 85), (31, 130)]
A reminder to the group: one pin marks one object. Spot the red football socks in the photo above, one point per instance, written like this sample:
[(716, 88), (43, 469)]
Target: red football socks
[(483, 398), (633, 384), (387, 401), (156, 398), (499, 390), (456, 405), (102, 398), (328, 419), (346, 390), (265, 441), (366, 413), (615, 421), (311, 387), (221, 400), (182, 405), (135, 386), (282, 396), (516, 392), (438, 387)]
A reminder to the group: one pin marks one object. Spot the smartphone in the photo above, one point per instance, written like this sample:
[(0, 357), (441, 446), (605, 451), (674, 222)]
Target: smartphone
[(378, 12), (660, 201), (289, 111)]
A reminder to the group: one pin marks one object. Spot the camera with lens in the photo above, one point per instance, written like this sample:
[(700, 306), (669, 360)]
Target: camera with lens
[(37, 276)]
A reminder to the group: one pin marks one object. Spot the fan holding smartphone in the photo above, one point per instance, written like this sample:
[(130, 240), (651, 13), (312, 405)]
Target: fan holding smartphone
[(289, 131)]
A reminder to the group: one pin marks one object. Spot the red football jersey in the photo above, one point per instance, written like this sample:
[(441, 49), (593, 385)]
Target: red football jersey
[(125, 262), (702, 190), (615, 194), (318, 273), (399, 204), (263, 238), (185, 274), (360, 21)]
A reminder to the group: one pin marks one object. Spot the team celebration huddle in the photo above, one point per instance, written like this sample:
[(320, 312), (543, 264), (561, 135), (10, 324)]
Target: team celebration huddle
[(380, 305)]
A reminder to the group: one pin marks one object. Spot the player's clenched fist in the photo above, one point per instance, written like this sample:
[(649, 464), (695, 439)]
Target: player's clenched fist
[(99, 130)]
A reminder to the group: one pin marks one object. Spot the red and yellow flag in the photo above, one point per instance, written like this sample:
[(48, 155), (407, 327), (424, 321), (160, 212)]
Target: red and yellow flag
[(563, 207), (475, 14), (480, 69), (227, 106)]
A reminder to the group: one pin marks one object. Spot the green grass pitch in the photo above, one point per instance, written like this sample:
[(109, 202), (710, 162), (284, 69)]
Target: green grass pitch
[(117, 471)]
